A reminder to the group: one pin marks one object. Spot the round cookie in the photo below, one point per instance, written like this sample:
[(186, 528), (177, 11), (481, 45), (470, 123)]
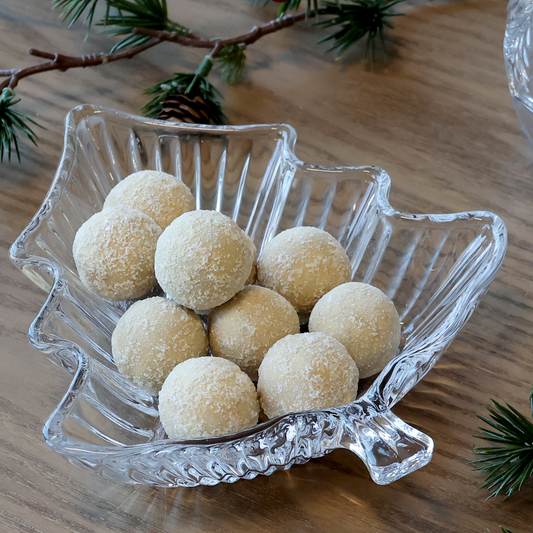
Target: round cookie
[(152, 337), (114, 253), (207, 397), (159, 195), (364, 320), (302, 264), (243, 329), (306, 371), (203, 259)]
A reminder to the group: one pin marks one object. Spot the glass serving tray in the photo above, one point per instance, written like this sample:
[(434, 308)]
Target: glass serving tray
[(434, 267)]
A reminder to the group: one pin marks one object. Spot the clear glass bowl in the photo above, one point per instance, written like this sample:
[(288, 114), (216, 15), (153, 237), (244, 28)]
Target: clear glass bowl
[(434, 267), (518, 55)]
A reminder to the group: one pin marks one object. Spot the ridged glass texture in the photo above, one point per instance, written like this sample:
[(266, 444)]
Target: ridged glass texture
[(434, 267), (518, 55)]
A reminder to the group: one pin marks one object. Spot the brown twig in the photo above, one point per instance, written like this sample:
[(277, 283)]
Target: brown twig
[(246, 38), (62, 62)]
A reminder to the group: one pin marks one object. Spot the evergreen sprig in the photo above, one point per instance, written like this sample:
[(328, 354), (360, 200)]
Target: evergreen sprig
[(232, 64), (130, 14), (509, 464), (12, 124), (190, 85), (355, 20)]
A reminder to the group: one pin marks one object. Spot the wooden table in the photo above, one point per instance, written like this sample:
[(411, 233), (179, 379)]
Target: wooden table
[(439, 119)]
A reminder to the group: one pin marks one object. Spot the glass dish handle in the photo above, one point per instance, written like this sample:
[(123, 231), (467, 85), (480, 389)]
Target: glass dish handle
[(388, 446)]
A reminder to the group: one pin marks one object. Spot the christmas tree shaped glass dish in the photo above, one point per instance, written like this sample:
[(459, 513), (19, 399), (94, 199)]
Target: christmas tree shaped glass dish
[(434, 267)]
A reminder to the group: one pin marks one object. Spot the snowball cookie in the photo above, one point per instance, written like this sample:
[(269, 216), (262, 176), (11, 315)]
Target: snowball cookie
[(114, 253), (207, 397), (152, 337), (159, 195), (302, 264), (364, 320), (203, 259), (243, 329), (306, 371)]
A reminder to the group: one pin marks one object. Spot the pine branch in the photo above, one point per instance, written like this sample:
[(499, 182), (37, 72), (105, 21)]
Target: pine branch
[(145, 23), (232, 63), (13, 123), (344, 37), (352, 22), (131, 14), (509, 464), (355, 20)]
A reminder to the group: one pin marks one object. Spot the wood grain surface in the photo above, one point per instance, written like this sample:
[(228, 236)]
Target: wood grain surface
[(439, 119)]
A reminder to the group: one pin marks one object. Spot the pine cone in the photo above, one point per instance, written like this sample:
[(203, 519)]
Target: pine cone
[(192, 109)]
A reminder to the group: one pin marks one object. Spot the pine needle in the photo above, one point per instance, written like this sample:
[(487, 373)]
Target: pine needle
[(232, 64), (510, 464), (12, 124), (293, 5), (72, 10), (131, 14), (355, 20)]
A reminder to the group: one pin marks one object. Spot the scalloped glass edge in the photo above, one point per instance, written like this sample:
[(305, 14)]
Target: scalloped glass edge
[(389, 447)]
